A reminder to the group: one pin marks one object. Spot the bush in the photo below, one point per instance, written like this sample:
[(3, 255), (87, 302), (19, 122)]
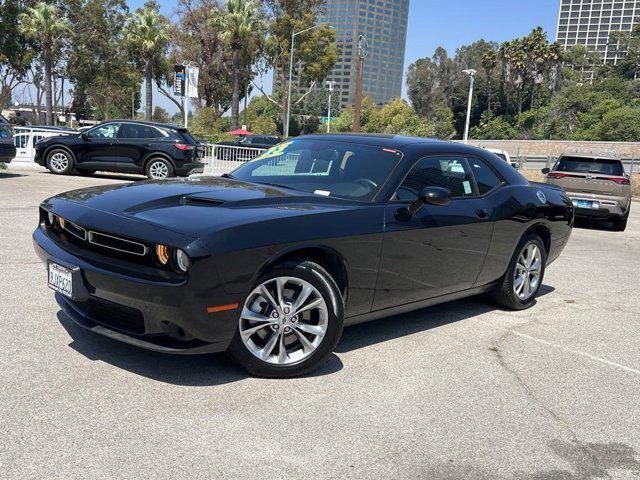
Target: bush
[(621, 125)]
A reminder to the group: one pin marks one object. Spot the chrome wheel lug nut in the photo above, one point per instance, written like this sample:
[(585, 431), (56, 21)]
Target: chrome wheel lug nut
[(286, 309), (275, 315)]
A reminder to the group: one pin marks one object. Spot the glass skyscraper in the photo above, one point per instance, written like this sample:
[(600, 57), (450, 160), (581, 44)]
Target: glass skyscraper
[(384, 26), (589, 23)]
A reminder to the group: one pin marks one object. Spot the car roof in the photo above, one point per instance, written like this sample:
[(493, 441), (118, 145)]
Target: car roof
[(150, 124), (398, 142), (378, 139)]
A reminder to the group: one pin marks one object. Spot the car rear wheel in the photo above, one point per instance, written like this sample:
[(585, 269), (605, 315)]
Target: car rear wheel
[(158, 169), (620, 223), (290, 322), (59, 162), (522, 281)]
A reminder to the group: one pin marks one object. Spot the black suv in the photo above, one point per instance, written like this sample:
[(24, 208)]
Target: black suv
[(154, 149), (254, 141), (7, 148)]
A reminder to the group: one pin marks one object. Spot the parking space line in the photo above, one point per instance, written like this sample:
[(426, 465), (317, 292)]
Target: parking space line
[(571, 350)]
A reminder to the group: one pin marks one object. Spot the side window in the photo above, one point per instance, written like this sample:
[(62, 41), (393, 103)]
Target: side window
[(148, 132), (110, 130), (486, 179), (132, 130), (452, 173)]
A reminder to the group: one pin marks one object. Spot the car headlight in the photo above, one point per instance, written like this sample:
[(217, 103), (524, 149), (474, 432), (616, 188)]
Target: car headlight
[(182, 261)]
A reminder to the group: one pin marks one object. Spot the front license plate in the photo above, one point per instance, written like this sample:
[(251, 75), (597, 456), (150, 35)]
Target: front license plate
[(60, 279)]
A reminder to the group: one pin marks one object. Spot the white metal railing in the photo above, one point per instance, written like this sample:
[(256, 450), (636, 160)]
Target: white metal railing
[(221, 159)]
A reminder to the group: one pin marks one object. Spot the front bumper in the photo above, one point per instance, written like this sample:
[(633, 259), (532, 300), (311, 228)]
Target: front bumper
[(160, 316)]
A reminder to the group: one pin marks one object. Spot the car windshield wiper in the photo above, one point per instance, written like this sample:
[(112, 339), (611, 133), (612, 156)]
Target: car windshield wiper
[(227, 175)]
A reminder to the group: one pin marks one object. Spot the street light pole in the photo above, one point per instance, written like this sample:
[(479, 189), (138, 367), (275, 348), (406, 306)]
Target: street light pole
[(288, 109), (471, 74), (329, 108)]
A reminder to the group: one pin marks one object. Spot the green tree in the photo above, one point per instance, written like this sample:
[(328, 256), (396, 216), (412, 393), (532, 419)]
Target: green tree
[(620, 125), (241, 26), (160, 115), (104, 75), (627, 45), (46, 27), (147, 34), (489, 63), (16, 51)]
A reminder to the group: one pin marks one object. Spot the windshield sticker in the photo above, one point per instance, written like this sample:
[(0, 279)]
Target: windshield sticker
[(467, 187), (274, 151), (322, 192)]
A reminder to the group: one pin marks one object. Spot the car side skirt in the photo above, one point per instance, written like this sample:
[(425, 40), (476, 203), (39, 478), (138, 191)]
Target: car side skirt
[(410, 307)]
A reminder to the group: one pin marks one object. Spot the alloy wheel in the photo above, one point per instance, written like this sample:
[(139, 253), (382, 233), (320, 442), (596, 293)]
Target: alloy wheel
[(283, 320), (59, 162), (158, 170), (528, 271)]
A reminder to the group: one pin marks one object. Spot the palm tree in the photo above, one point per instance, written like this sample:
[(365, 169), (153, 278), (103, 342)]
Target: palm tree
[(489, 62), (147, 34), (45, 26), (239, 25)]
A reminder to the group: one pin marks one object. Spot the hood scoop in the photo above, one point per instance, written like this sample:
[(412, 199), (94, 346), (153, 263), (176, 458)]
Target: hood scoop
[(200, 201)]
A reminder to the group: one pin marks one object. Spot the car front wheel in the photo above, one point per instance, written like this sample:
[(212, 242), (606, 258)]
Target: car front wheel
[(59, 162), (522, 281), (290, 322)]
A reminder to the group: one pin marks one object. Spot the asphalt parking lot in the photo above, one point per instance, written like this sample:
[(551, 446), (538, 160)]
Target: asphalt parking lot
[(457, 391)]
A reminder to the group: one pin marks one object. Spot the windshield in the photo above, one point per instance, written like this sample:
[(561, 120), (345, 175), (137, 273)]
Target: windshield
[(323, 167), (590, 165)]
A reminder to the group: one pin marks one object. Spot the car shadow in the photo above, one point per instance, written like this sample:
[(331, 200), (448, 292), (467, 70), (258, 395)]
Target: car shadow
[(601, 225), (10, 175), (186, 370), (219, 368), (389, 328)]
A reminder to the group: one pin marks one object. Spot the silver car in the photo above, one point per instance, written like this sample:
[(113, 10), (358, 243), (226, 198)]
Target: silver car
[(596, 183)]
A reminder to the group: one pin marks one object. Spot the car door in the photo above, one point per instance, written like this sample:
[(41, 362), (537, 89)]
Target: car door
[(135, 141), (98, 148), (441, 249)]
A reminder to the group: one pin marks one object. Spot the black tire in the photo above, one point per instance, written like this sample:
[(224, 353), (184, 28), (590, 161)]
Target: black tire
[(60, 161), (150, 168), (319, 278), (620, 223), (504, 294)]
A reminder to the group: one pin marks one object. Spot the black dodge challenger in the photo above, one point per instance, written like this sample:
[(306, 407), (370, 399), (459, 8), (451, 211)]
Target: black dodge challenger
[(271, 261)]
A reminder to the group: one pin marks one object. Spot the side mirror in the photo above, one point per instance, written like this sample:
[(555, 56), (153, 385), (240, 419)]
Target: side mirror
[(545, 170), (83, 135), (431, 195)]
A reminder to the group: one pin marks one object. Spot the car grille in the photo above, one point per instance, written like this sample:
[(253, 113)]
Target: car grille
[(113, 315), (117, 243), (69, 232)]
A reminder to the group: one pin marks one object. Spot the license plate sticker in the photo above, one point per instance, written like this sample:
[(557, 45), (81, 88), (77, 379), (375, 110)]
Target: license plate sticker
[(60, 279)]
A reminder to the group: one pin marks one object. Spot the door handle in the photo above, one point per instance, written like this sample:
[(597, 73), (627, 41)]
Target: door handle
[(482, 212)]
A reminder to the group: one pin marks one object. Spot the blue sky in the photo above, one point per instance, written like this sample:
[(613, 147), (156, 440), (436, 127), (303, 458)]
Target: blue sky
[(451, 23)]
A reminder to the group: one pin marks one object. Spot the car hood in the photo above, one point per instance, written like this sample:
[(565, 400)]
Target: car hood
[(200, 205)]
